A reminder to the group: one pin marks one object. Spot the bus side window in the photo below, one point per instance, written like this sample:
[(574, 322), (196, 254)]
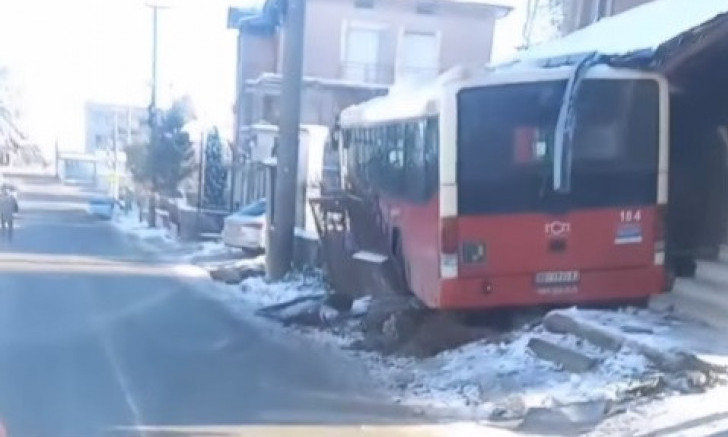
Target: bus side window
[(415, 179), (396, 170), (431, 152), (376, 150), (360, 154), (369, 147), (351, 153)]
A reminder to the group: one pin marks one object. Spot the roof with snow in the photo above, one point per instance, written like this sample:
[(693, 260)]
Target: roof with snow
[(640, 33)]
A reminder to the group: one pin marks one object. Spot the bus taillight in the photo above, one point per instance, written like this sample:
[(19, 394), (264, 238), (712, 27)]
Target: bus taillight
[(660, 233), (449, 247), (449, 236)]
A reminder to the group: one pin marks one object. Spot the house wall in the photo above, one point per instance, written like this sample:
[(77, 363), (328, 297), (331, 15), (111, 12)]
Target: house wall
[(466, 33), (464, 36), (580, 13), (319, 104), (623, 5), (256, 55)]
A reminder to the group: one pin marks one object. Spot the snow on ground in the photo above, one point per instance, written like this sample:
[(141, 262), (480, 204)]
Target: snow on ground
[(480, 376), (700, 414), (665, 332), (484, 379), (258, 293), (129, 224), (164, 242)]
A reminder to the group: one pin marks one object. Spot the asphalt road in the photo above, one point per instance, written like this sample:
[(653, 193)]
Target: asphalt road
[(95, 335)]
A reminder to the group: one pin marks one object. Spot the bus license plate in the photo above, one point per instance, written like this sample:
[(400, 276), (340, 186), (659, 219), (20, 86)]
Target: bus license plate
[(564, 277)]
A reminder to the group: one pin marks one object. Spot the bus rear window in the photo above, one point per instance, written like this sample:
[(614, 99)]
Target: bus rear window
[(506, 139)]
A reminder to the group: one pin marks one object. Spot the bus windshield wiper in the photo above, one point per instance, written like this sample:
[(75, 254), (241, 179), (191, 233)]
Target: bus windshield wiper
[(566, 124)]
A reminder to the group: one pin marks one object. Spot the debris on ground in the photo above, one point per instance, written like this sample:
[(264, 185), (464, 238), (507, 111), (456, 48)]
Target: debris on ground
[(234, 271), (618, 362), (570, 419), (234, 274), (303, 310), (683, 364), (572, 365), (569, 359)]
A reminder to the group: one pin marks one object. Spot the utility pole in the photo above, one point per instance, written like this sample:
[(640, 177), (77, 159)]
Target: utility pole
[(280, 251), (153, 115), (115, 174), (58, 159)]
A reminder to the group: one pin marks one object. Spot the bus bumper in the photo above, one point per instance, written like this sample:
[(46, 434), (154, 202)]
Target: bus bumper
[(520, 290)]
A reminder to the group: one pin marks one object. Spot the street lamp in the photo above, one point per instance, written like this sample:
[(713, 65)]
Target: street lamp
[(153, 113)]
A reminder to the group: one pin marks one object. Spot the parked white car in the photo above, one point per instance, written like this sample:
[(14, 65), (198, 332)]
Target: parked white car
[(246, 228)]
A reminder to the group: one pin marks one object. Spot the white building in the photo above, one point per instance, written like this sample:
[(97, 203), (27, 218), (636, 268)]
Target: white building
[(110, 123)]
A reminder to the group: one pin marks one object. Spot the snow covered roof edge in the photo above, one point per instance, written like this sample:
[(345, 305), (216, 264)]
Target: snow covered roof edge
[(636, 35)]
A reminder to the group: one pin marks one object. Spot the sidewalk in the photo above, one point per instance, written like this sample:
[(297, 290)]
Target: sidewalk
[(703, 298), (163, 242)]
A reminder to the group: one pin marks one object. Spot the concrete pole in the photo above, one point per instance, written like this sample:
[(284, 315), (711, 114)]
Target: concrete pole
[(153, 115), (58, 160), (155, 36), (280, 252), (115, 170)]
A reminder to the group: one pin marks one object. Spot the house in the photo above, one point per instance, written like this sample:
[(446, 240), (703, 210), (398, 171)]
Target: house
[(581, 13), (354, 50)]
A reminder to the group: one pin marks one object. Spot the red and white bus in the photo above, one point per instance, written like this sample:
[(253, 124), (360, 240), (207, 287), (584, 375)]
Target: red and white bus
[(478, 212)]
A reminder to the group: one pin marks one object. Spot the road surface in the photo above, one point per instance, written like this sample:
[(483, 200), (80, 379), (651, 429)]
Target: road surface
[(94, 336)]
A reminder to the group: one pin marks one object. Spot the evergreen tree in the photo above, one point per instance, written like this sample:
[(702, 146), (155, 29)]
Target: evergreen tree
[(215, 179), (167, 159)]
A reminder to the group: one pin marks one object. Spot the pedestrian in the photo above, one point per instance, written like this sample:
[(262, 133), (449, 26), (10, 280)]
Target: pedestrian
[(7, 209)]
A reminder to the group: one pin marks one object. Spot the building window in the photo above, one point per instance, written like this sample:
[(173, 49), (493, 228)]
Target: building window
[(269, 108), (364, 4), (601, 9), (361, 52), (418, 56), (426, 7)]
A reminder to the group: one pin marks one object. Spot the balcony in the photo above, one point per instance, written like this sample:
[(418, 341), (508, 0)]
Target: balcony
[(367, 72)]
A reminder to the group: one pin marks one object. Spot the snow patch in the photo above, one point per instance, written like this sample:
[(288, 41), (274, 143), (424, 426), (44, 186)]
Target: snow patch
[(190, 271), (129, 224), (259, 293), (162, 240), (484, 374)]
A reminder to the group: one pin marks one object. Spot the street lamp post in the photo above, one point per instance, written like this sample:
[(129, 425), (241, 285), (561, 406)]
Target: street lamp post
[(153, 113)]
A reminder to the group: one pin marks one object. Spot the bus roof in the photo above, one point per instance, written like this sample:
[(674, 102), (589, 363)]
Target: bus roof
[(408, 102), (404, 101)]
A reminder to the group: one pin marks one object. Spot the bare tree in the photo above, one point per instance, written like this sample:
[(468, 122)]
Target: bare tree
[(12, 138), (544, 21)]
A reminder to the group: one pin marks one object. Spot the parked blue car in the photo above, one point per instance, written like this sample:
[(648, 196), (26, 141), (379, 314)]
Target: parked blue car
[(101, 207)]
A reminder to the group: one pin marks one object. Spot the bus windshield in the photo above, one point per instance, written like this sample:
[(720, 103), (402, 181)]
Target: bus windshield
[(506, 139)]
